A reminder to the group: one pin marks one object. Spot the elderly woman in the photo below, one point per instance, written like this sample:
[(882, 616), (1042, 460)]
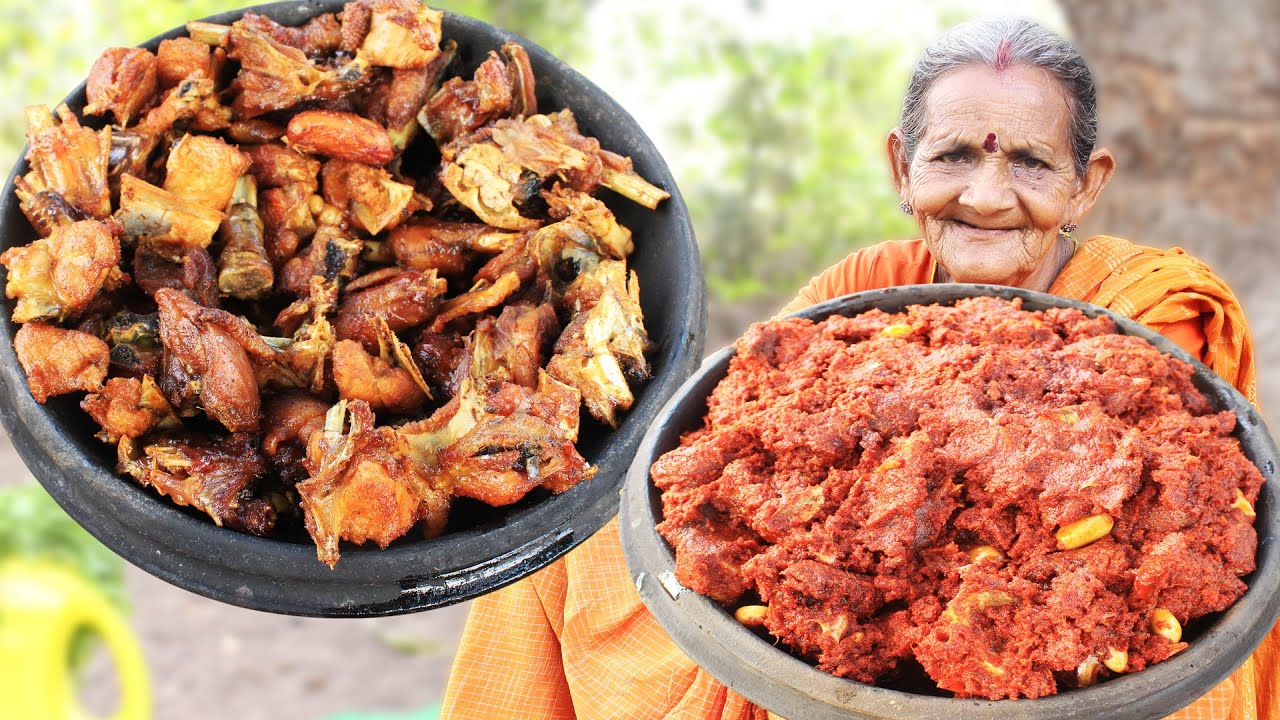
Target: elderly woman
[(995, 159)]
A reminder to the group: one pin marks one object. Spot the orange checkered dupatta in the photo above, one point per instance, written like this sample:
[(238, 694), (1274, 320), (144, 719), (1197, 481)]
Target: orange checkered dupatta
[(1162, 287), (575, 641)]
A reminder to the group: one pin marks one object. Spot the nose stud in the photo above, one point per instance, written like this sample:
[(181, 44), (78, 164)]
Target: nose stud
[(906, 208)]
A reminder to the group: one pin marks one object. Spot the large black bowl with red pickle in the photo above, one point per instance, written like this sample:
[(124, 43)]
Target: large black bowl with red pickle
[(482, 548), (753, 666)]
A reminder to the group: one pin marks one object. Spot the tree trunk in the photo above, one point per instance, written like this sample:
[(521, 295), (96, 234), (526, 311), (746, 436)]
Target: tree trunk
[(1189, 102)]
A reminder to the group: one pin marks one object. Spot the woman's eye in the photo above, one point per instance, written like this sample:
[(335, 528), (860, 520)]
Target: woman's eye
[(954, 156), (1031, 163)]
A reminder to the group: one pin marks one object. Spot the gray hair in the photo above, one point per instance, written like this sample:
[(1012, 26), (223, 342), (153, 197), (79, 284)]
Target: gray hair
[(999, 43)]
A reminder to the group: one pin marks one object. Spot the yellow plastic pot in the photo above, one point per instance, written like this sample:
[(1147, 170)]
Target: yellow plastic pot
[(42, 606)]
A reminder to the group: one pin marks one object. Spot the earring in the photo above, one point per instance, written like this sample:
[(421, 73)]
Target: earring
[(1068, 229), (906, 208)]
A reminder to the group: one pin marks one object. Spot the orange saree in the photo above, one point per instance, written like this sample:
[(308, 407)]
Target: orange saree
[(575, 640)]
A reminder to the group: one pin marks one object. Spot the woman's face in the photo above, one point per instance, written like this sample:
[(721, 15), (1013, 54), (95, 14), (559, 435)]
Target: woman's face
[(993, 178)]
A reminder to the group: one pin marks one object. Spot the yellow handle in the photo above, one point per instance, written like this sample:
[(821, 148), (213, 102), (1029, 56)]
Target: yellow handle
[(131, 669), (42, 606)]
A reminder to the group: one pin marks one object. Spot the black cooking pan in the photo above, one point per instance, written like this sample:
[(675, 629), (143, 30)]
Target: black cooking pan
[(484, 548), (794, 689)]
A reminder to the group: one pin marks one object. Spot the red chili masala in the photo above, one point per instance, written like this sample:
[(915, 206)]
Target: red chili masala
[(1012, 502)]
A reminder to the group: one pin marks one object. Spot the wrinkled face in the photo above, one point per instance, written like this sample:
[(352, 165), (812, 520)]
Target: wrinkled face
[(993, 178)]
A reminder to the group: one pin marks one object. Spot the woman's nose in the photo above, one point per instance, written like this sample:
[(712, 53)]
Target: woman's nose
[(989, 189)]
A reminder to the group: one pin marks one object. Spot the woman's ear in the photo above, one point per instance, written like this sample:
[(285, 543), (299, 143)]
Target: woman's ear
[(1102, 165), (896, 146)]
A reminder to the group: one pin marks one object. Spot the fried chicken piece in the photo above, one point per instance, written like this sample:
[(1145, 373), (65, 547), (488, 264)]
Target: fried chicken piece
[(277, 165), (403, 301), (57, 277), (606, 342), (312, 333), (365, 485), (131, 149), (497, 446), (401, 34), (497, 440), (257, 131), (162, 221), (517, 258), (59, 361), (178, 58), (505, 457), (31, 282), (69, 159), (184, 101), (559, 253), (45, 209), (217, 476), (194, 274), (85, 259), (604, 168), (466, 408), (286, 221), (244, 270), (439, 358), (339, 134), (618, 174), (361, 376), (273, 76), (321, 35), (487, 182), (354, 20), (215, 347), (524, 98), (396, 102), (289, 420), (128, 407), (291, 417), (430, 244), (372, 200), (460, 107), (498, 168), (541, 146), (287, 180), (519, 337), (121, 81), (482, 296), (594, 217), (180, 384), (202, 170)]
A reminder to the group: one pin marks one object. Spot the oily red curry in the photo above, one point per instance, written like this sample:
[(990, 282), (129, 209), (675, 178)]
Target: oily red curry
[(1012, 502)]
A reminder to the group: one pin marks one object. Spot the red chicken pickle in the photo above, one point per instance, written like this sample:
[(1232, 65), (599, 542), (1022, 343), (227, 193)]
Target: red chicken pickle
[(1015, 502)]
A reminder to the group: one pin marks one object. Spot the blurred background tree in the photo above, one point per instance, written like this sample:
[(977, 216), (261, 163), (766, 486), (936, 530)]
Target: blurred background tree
[(805, 182)]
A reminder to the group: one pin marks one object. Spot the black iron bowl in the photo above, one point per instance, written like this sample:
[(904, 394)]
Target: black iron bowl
[(794, 689), (484, 548)]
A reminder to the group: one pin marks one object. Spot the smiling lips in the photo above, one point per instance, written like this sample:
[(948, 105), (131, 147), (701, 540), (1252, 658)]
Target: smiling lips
[(979, 230)]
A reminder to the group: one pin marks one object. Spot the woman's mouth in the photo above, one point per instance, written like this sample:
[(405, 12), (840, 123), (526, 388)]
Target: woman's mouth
[(980, 231)]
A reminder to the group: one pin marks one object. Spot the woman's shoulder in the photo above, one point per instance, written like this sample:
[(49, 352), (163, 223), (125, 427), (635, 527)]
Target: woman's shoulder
[(885, 264), (1115, 252)]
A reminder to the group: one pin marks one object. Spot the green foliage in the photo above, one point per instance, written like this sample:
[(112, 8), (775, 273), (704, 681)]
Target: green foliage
[(805, 178), (556, 25), (34, 527)]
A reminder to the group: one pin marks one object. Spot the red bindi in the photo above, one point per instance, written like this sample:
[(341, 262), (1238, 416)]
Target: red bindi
[(991, 145)]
